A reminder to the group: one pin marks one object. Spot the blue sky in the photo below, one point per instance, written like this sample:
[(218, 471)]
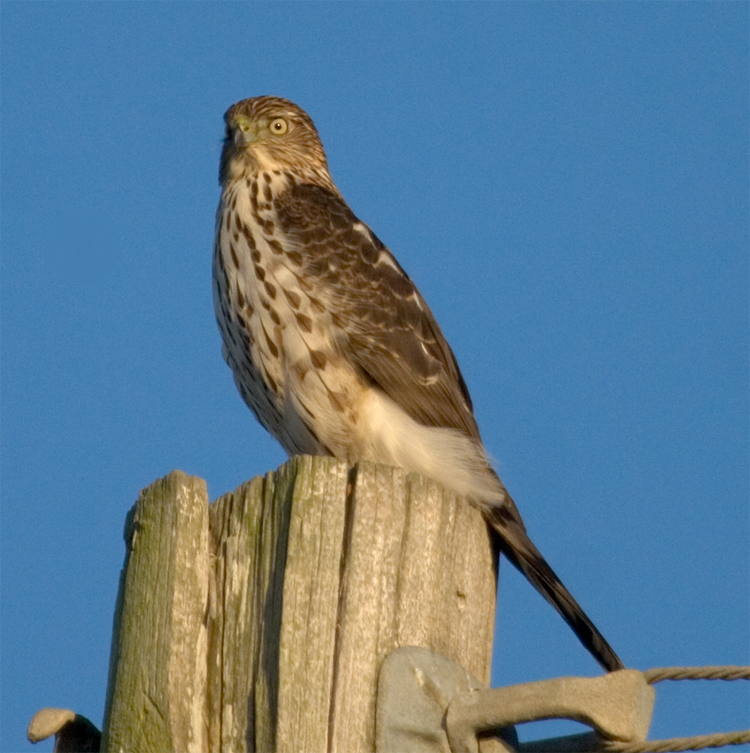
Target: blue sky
[(566, 182)]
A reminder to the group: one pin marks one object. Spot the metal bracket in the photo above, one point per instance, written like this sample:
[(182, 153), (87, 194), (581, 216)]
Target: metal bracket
[(430, 704)]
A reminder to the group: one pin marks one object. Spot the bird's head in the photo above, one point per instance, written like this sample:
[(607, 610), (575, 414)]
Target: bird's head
[(269, 133)]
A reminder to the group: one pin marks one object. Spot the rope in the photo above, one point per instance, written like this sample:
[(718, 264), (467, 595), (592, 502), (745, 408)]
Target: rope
[(657, 674), (698, 742)]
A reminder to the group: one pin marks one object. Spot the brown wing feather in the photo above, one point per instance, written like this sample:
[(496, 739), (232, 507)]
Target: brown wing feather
[(387, 330)]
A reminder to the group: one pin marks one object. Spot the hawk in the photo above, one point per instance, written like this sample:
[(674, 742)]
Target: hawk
[(331, 344)]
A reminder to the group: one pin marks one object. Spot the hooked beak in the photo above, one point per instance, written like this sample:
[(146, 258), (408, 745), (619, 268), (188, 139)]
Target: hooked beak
[(244, 131)]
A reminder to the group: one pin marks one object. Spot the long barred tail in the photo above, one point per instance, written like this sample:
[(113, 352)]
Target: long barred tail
[(516, 545)]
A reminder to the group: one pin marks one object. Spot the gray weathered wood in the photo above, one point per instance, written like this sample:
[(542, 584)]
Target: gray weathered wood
[(311, 576), (156, 688)]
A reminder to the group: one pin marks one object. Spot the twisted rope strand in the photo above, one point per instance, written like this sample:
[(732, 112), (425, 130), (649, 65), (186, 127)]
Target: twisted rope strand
[(657, 674), (698, 742)]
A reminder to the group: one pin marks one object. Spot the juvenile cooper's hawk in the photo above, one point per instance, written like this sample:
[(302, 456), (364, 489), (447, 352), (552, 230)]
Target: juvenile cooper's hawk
[(331, 345)]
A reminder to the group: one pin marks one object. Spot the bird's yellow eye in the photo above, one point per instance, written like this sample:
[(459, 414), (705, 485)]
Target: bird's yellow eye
[(278, 126)]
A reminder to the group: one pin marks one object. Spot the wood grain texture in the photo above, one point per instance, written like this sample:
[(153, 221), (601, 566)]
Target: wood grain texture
[(156, 689), (311, 576), (418, 571)]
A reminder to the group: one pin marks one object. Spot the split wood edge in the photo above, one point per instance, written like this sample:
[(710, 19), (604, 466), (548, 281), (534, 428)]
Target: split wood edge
[(259, 623)]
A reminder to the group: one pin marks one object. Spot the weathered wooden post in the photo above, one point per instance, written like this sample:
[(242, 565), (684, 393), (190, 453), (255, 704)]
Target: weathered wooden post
[(260, 623)]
